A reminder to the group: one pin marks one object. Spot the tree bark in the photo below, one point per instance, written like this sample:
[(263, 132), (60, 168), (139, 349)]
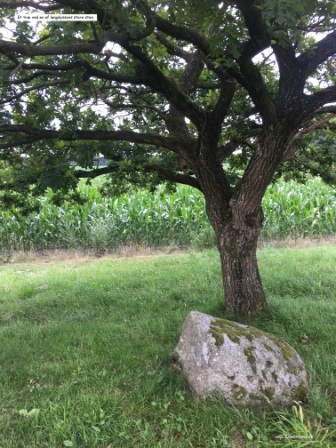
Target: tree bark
[(237, 237), (237, 245), (237, 222)]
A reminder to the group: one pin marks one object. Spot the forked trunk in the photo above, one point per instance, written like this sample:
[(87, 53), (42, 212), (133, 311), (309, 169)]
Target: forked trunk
[(236, 216)]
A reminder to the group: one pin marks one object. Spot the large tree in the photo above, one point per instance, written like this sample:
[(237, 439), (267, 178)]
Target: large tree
[(216, 95)]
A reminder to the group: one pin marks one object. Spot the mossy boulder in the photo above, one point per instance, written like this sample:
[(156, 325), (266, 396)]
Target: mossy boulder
[(244, 365)]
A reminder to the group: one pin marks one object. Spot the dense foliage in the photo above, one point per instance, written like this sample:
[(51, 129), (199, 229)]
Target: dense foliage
[(138, 85)]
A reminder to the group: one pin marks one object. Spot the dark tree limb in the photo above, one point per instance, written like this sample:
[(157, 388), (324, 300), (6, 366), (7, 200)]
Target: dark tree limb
[(171, 47), (90, 72), (311, 103), (31, 89), (177, 31), (311, 59), (91, 174), (169, 143), (174, 177), (7, 47), (32, 4)]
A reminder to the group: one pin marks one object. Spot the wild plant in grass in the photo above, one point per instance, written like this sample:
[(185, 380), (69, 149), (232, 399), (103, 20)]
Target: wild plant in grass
[(292, 429)]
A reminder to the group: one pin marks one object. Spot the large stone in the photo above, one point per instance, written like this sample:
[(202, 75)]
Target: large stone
[(244, 365)]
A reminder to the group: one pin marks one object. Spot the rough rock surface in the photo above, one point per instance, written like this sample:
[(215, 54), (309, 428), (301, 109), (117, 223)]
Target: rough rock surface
[(242, 364)]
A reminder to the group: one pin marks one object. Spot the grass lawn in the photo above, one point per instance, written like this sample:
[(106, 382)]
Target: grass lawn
[(85, 349)]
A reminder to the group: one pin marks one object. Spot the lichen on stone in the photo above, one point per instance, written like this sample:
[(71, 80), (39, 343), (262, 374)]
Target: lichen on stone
[(300, 393), (267, 347), (238, 392), (286, 349), (268, 392), (219, 327), (255, 397), (248, 352), (275, 377)]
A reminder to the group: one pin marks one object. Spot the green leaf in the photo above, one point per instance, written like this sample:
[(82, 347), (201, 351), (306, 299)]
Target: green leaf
[(67, 443), (249, 435)]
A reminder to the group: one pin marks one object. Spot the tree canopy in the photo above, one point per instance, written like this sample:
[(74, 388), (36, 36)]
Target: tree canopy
[(222, 96), (147, 77)]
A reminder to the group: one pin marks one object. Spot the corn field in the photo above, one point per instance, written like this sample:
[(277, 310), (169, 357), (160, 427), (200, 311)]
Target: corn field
[(162, 218)]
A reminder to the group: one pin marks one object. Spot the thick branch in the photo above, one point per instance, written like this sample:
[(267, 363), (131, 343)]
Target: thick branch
[(92, 72), (326, 109), (169, 88), (176, 31), (292, 79), (252, 81), (313, 102), (171, 47), (7, 47), (100, 135), (174, 177), (91, 174), (32, 4), (289, 153), (253, 19), (312, 58), (223, 103), (227, 150), (250, 77)]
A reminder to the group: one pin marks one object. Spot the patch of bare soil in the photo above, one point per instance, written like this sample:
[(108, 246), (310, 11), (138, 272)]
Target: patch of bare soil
[(49, 256), (300, 243)]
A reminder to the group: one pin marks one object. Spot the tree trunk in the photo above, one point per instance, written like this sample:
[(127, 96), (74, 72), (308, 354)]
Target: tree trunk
[(237, 245), (237, 225), (236, 216)]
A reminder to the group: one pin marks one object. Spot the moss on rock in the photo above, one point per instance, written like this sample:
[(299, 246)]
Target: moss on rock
[(269, 392), (267, 347), (301, 392), (248, 352), (238, 392), (219, 327), (275, 377)]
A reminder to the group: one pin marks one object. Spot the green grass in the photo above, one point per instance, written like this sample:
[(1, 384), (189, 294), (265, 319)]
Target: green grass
[(101, 224), (86, 352)]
